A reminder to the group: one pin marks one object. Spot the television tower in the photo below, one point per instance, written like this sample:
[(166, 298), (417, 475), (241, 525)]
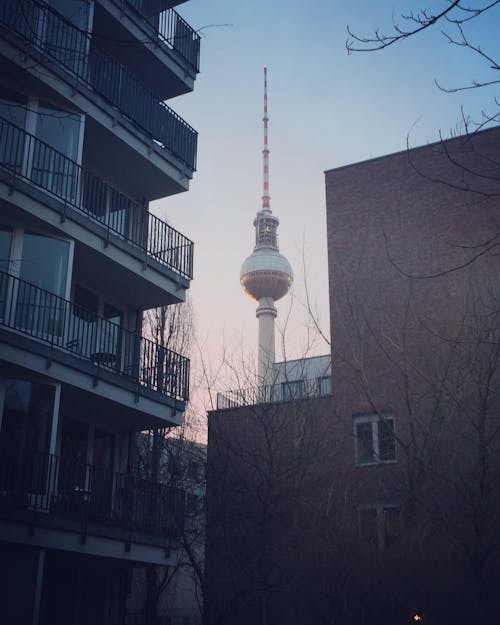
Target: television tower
[(266, 275)]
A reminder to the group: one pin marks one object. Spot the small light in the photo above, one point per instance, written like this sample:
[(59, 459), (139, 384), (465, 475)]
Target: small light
[(417, 617)]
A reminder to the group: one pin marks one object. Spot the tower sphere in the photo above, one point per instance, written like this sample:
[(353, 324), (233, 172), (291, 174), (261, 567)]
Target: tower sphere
[(266, 273)]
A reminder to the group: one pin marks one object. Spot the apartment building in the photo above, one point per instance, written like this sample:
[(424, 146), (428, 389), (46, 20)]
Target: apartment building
[(86, 142)]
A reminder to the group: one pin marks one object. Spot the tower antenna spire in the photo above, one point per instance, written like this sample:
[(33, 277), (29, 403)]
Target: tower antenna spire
[(265, 153)]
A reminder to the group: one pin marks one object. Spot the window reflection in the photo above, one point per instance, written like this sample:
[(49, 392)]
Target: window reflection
[(12, 123), (44, 267), (59, 131), (24, 435), (5, 244)]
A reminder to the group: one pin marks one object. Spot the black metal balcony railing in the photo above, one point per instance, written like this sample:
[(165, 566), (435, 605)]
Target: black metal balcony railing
[(273, 393), (170, 28), (75, 50), (66, 488), (33, 160), (40, 314)]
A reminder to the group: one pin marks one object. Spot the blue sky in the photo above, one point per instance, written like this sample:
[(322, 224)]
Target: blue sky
[(326, 109)]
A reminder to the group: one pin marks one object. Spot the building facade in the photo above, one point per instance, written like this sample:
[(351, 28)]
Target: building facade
[(379, 504), (86, 142)]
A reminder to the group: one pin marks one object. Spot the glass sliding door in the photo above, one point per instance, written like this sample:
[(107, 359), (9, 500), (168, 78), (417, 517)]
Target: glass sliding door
[(109, 351), (83, 326), (54, 159), (44, 272), (5, 245), (103, 465), (73, 472), (12, 124), (24, 438)]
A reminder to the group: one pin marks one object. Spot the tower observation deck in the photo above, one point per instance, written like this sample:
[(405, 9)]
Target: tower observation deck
[(266, 275)]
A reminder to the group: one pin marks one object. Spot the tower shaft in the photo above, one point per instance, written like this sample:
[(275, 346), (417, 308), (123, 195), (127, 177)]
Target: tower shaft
[(266, 314)]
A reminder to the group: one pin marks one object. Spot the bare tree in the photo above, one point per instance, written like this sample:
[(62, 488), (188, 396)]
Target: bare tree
[(262, 496), (473, 170), (453, 17), (168, 456)]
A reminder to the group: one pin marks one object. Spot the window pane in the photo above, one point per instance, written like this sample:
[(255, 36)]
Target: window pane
[(86, 304), (75, 11), (5, 243), (59, 129), (53, 165), (364, 443), (109, 338), (12, 123), (13, 108), (386, 440), (43, 271), (24, 437), (73, 467), (45, 262)]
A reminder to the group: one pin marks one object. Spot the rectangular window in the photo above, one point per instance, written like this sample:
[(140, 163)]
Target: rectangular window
[(54, 156), (5, 244), (379, 524), (43, 273), (375, 440)]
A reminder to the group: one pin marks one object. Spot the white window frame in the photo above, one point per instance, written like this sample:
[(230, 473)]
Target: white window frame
[(374, 419)]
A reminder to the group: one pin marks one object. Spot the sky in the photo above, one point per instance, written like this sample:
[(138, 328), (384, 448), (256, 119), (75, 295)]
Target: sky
[(326, 109)]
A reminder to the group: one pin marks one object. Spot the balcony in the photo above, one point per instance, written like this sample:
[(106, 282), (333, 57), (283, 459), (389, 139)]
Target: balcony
[(170, 29), (73, 495), (75, 51), (25, 157), (290, 390), (85, 337)]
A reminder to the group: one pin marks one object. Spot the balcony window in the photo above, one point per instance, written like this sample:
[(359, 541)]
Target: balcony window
[(13, 107), (59, 134), (75, 11), (44, 268), (375, 440), (45, 262), (25, 431), (5, 245), (94, 336), (110, 335), (50, 161), (59, 129), (13, 110)]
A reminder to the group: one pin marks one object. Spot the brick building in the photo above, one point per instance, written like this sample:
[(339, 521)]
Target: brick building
[(391, 506)]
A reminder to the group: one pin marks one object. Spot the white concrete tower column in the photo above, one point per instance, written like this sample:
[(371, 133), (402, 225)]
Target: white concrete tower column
[(266, 314)]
